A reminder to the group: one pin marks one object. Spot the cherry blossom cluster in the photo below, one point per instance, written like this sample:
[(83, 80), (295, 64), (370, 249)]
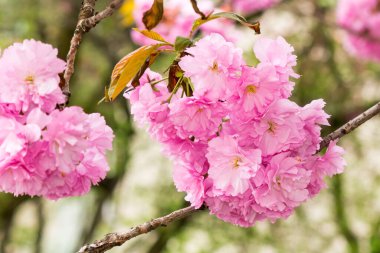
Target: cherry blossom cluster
[(45, 151), (361, 21), (239, 145), (251, 6), (179, 17)]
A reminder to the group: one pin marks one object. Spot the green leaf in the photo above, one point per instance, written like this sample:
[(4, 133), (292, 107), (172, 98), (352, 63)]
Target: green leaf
[(153, 16), (181, 43), (151, 35)]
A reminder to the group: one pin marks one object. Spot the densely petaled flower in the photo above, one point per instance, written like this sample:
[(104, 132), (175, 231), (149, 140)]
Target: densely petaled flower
[(331, 163), (257, 90), (79, 142), (148, 100), (279, 54), (43, 151), (239, 145), (240, 210), (29, 76), (213, 65), (251, 6), (190, 179), (196, 117), (19, 143), (313, 117), (231, 167), (178, 20), (361, 20), (280, 128), (282, 184)]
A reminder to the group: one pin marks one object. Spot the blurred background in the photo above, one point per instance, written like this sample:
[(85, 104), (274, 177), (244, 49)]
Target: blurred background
[(343, 218)]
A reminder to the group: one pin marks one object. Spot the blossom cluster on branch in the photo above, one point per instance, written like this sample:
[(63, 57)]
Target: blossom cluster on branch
[(247, 7), (361, 20), (239, 145), (45, 151), (179, 17)]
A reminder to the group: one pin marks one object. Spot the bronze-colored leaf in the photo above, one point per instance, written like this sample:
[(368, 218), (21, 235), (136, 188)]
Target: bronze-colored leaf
[(136, 80), (174, 70), (153, 16), (127, 68), (151, 35)]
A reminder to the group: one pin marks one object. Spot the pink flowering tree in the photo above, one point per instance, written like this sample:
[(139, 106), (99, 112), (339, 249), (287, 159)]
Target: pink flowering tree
[(241, 148)]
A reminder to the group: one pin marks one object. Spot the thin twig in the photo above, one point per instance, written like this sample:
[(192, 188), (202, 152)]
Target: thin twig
[(117, 239), (351, 125), (86, 11), (86, 21), (197, 10)]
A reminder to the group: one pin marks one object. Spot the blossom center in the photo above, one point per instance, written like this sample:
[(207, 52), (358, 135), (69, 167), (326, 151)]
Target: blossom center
[(272, 127), (236, 162), (251, 89), (278, 180), (29, 79), (214, 67)]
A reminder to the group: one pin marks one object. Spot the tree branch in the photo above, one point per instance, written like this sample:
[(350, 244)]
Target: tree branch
[(86, 21), (351, 125), (117, 239)]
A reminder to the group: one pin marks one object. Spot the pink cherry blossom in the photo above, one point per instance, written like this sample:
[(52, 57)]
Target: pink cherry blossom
[(279, 54), (149, 101), (213, 65), (239, 145), (257, 90), (332, 162), (240, 210), (178, 20), (280, 128), (360, 19), (189, 179), (79, 142), (251, 6), (314, 117), (284, 184), (19, 173), (29, 76), (195, 117), (231, 167)]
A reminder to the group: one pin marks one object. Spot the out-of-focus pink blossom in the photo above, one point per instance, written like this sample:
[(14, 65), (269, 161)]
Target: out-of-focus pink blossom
[(178, 20), (361, 20), (252, 6)]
